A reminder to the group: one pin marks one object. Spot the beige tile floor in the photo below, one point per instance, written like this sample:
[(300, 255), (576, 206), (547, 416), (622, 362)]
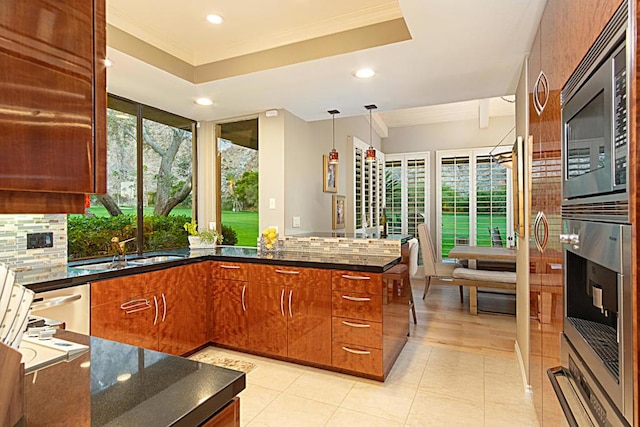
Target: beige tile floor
[(431, 384)]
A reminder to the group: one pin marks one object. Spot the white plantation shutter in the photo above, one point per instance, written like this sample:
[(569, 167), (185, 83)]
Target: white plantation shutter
[(474, 194), (407, 192), (368, 191), (358, 177)]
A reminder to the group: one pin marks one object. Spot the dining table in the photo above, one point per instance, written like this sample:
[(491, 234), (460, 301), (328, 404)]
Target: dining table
[(485, 253)]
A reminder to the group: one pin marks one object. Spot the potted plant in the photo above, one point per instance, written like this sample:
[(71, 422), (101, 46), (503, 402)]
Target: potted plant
[(202, 239)]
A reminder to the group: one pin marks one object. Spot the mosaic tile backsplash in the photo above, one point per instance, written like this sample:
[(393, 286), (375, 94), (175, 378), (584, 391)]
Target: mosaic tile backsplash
[(13, 240), (337, 245)]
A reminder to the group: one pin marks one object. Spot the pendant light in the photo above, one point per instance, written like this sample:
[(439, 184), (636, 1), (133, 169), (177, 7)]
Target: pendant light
[(371, 152), (333, 154)]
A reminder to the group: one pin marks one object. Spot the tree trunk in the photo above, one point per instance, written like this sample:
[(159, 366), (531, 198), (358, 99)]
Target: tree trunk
[(172, 202), (110, 205)]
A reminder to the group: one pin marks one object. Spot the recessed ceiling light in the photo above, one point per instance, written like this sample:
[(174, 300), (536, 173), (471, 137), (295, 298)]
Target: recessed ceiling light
[(108, 62), (215, 19), (364, 73), (204, 101)]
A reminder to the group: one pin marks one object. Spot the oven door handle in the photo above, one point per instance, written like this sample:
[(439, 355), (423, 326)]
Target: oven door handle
[(545, 238), (552, 373)]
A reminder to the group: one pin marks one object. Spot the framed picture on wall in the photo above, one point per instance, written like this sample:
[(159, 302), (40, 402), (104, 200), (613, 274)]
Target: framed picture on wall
[(339, 211), (330, 176)]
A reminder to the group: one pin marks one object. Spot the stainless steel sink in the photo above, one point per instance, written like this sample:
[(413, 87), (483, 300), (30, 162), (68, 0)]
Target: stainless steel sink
[(155, 259), (107, 265)]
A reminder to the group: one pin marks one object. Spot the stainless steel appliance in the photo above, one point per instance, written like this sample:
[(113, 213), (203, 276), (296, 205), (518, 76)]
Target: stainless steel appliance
[(70, 306), (597, 343), (595, 381), (594, 116)]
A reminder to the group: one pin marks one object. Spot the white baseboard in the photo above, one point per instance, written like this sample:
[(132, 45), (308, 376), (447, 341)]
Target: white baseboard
[(523, 371)]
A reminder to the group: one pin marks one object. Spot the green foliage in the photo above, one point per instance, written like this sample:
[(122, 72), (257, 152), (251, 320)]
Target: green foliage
[(91, 236), (245, 225), (246, 189), (229, 236)]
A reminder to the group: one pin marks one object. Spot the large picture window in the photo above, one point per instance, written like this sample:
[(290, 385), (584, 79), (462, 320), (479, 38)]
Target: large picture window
[(473, 200), (149, 197)]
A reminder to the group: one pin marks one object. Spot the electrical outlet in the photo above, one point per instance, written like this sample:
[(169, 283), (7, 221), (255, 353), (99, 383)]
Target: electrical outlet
[(39, 240), (296, 222)]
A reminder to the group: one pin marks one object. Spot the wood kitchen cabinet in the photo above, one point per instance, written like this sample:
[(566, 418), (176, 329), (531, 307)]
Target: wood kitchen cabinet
[(229, 320), (163, 310), (567, 29), (54, 105), (290, 313)]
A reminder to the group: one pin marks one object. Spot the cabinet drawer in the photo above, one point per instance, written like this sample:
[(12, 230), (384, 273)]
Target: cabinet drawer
[(119, 289), (355, 281), (357, 306), (362, 359), (230, 271), (357, 332), (289, 276)]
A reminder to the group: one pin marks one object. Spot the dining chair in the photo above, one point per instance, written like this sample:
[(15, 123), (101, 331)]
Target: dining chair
[(432, 268)]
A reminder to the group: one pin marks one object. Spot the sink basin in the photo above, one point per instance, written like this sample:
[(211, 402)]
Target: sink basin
[(108, 265), (155, 259)]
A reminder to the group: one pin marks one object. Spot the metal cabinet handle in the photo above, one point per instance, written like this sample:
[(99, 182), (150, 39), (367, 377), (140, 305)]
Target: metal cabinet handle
[(359, 299), (64, 299), (290, 294), (244, 289), (348, 277), (287, 272), (355, 325), (282, 302), (135, 305), (232, 267), (545, 239), (536, 228), (350, 350), (164, 304), (155, 301), (541, 86)]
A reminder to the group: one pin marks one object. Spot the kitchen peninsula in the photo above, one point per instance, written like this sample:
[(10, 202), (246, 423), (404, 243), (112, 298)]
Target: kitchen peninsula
[(324, 309)]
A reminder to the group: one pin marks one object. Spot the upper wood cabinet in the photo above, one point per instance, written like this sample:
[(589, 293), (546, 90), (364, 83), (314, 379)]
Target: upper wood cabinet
[(53, 99)]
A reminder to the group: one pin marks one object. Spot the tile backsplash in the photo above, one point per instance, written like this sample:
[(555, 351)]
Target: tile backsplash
[(13, 240), (344, 245)]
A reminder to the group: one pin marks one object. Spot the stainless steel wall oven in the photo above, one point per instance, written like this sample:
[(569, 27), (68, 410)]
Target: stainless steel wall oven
[(595, 380)]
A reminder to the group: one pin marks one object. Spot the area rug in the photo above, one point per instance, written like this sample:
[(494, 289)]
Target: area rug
[(224, 362)]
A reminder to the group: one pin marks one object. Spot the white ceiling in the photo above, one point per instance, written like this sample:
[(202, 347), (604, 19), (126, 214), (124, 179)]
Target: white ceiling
[(460, 50)]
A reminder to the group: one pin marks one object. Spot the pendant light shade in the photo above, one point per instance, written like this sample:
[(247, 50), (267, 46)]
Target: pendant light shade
[(333, 154), (370, 155)]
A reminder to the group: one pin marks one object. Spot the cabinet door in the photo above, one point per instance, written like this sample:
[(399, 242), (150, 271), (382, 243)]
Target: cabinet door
[(229, 315), (130, 321), (47, 56), (267, 311), (309, 317), (182, 302)]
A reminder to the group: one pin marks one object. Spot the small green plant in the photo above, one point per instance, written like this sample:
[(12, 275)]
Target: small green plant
[(229, 235), (210, 236)]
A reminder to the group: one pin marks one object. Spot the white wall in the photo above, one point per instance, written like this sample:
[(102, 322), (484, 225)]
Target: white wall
[(271, 164), (446, 136)]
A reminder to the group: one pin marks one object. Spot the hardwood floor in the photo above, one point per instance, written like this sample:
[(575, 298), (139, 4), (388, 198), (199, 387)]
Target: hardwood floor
[(445, 322)]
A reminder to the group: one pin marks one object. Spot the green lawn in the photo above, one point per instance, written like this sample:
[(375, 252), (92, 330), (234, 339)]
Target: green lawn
[(245, 224), (462, 225)]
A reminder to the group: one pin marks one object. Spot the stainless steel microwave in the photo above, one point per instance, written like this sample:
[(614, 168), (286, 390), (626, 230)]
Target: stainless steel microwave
[(595, 134)]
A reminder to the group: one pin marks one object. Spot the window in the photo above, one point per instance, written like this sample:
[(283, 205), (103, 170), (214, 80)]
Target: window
[(407, 192), (368, 190), (474, 194), (149, 184)]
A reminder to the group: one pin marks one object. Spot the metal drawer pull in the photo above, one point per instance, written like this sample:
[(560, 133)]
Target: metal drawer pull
[(164, 304), (244, 289), (155, 301), (355, 325), (65, 299), (141, 308), (363, 352), (233, 267), (287, 272), (135, 303), (359, 299), (346, 276)]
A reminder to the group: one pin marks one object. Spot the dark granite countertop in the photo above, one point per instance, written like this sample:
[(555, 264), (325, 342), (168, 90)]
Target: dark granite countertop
[(61, 276), (115, 384)]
